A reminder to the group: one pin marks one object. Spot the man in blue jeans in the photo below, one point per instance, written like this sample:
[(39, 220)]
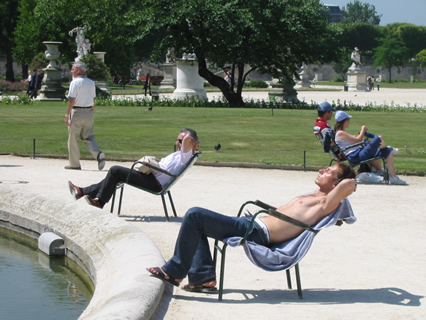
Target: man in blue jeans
[(192, 255)]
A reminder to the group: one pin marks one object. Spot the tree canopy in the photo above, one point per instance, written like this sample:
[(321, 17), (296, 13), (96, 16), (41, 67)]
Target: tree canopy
[(274, 36), (414, 38), (8, 20), (270, 36), (106, 25), (355, 12), (421, 57), (390, 52), (361, 35)]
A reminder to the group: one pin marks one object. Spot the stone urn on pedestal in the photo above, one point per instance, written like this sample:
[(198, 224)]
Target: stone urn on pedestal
[(169, 72), (102, 84), (51, 88), (282, 92)]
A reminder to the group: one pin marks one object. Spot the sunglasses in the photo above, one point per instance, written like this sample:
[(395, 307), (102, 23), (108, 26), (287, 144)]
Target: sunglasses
[(179, 140)]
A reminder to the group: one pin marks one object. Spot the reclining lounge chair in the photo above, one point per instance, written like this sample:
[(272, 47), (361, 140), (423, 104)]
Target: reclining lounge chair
[(165, 190), (285, 255), (327, 139)]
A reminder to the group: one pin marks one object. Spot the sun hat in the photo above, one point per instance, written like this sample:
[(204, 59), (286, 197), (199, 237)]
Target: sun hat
[(325, 106), (341, 115)]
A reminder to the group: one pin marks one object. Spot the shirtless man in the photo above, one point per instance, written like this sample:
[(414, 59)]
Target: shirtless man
[(192, 255)]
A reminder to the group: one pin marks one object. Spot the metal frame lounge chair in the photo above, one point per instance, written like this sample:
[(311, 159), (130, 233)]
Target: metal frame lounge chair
[(282, 256), (162, 193), (327, 139)]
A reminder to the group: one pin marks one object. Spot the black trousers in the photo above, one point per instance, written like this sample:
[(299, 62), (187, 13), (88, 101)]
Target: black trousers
[(116, 174)]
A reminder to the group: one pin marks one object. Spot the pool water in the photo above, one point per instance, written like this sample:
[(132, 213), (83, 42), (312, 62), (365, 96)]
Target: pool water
[(35, 286)]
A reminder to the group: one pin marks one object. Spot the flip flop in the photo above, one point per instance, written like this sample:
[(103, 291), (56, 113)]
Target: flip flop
[(199, 288), (161, 275)]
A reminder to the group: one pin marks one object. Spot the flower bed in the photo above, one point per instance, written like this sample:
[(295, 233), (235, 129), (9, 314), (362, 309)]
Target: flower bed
[(13, 86)]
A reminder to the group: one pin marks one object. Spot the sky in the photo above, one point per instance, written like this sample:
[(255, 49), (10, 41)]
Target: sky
[(410, 11)]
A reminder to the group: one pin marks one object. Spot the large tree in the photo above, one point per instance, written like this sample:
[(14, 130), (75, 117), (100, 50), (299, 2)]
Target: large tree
[(8, 19), (270, 36), (106, 25), (362, 35), (421, 58), (355, 12), (391, 52), (414, 38)]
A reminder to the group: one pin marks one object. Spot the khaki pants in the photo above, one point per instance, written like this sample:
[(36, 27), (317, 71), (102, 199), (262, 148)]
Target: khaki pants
[(82, 127)]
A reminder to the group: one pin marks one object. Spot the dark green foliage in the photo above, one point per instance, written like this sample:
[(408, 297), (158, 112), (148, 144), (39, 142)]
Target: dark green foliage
[(39, 62), (96, 68), (390, 52), (356, 11), (256, 84)]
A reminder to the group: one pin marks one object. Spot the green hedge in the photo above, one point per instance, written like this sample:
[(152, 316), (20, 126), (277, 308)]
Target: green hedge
[(259, 104), (200, 103)]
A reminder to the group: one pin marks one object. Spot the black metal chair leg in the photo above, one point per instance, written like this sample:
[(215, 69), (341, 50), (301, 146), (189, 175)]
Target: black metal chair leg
[(121, 199), (171, 203), (165, 207), (288, 278), (112, 202), (222, 271)]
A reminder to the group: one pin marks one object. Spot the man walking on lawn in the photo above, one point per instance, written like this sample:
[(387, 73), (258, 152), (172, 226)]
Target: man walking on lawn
[(80, 118)]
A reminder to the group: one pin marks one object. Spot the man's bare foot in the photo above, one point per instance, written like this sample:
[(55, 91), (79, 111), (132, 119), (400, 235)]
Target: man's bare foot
[(160, 274)]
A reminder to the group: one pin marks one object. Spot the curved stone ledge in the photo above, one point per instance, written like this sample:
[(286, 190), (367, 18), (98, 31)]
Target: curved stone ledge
[(113, 252)]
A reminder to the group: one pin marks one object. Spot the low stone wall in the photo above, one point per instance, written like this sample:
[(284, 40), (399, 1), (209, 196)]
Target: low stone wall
[(111, 251)]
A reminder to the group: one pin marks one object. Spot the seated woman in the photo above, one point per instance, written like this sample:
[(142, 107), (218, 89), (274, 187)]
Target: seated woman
[(376, 147)]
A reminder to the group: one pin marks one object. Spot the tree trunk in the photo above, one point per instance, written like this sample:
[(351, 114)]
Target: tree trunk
[(234, 99), (390, 74), (10, 75), (24, 68)]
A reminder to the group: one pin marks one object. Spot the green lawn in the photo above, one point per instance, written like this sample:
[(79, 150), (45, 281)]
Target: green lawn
[(246, 135)]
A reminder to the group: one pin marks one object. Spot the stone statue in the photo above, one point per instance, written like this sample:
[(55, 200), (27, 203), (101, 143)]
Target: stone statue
[(86, 46), (83, 44), (356, 59)]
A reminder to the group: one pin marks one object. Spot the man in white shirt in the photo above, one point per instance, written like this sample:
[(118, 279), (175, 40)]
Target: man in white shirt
[(80, 118), (99, 193)]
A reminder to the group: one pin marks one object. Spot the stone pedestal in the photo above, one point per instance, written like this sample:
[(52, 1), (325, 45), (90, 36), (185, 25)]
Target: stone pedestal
[(52, 81), (103, 85), (188, 82), (356, 80), (282, 92), (100, 55), (169, 73)]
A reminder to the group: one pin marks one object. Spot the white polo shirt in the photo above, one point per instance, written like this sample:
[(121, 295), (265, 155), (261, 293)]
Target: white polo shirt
[(83, 90)]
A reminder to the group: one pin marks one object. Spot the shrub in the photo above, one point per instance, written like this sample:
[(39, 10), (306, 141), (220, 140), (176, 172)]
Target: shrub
[(256, 84), (97, 70), (201, 103), (13, 86), (336, 79), (18, 100), (39, 62)]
